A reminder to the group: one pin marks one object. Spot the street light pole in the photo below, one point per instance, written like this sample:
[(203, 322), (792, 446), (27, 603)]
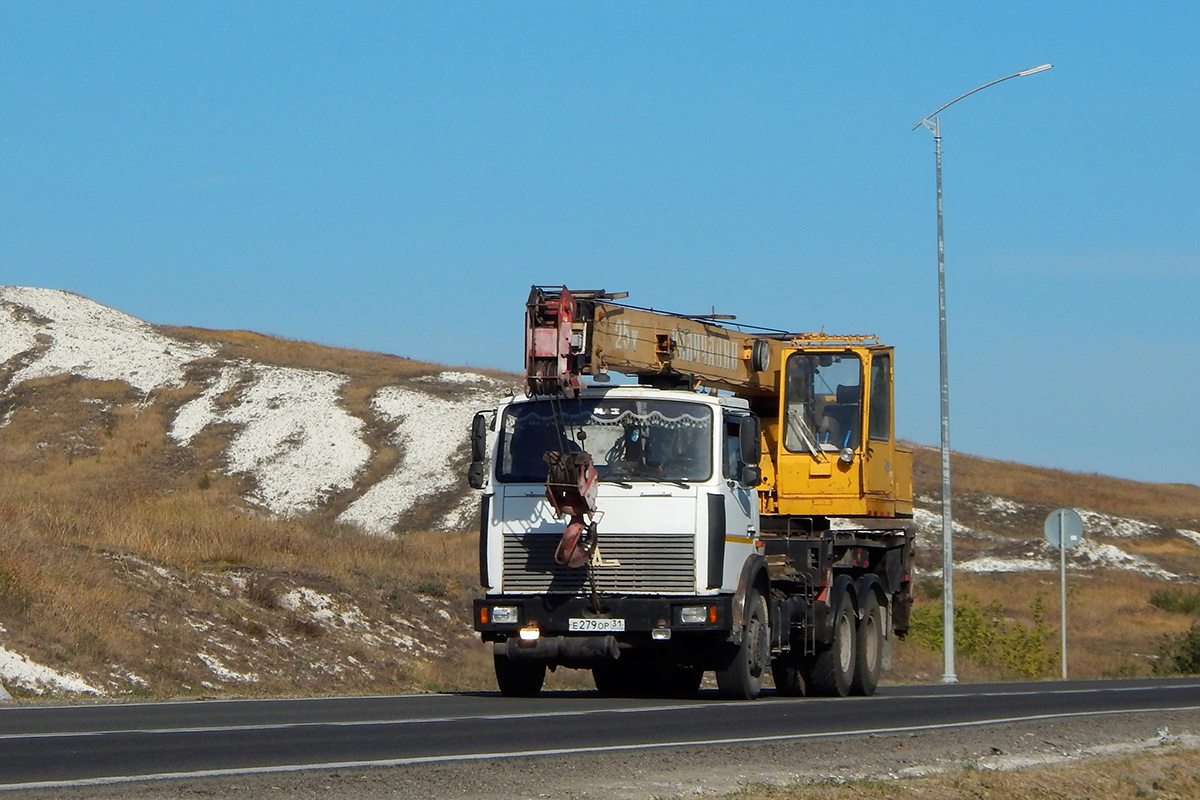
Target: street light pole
[(935, 128)]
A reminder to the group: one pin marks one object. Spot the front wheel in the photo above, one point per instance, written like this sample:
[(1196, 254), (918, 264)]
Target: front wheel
[(519, 678), (742, 678)]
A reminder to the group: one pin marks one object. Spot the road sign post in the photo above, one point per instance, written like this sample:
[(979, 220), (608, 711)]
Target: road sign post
[(1063, 529)]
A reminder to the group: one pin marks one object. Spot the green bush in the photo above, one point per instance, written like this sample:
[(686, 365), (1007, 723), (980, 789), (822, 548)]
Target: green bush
[(1179, 654), (982, 634), (1176, 600)]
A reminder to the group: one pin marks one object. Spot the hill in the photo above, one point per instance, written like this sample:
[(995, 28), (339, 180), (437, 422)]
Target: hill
[(192, 511)]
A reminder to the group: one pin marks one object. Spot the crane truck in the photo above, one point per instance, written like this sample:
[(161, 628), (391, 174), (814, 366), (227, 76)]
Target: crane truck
[(739, 509)]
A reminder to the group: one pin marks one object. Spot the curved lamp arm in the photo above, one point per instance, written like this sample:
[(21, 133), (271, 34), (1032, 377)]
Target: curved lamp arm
[(925, 120)]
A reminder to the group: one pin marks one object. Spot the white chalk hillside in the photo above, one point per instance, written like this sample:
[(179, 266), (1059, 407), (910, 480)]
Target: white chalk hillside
[(294, 437)]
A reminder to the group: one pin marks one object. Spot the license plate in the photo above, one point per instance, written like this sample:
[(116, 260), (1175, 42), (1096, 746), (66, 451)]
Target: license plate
[(600, 624)]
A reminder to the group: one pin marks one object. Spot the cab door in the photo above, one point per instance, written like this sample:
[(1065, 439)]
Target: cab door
[(737, 506), (879, 467)]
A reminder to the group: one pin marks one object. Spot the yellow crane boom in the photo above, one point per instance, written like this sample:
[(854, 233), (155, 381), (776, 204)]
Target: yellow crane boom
[(825, 402)]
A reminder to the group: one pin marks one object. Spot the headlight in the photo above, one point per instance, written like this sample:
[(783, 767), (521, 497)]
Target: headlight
[(693, 615), (505, 615)]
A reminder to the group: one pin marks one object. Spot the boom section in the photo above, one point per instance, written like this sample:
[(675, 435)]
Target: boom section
[(570, 334), (829, 445), (574, 333)]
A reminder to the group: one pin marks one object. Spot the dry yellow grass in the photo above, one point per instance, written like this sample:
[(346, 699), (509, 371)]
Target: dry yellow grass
[(89, 479), (1170, 775), (1169, 504), (1112, 629)]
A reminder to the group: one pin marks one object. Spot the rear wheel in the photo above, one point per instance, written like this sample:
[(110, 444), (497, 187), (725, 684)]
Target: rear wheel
[(520, 678), (868, 662), (742, 678), (833, 670)]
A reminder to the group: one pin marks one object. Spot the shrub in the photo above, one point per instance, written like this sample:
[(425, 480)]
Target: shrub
[(264, 590), (1178, 601), (982, 634), (1179, 654)]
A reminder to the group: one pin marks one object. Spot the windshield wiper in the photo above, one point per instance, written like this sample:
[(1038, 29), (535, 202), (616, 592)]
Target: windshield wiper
[(798, 426)]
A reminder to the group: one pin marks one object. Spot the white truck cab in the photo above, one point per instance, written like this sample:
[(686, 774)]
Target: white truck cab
[(677, 521)]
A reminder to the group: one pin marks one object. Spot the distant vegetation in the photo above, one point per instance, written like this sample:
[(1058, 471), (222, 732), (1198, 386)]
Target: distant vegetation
[(984, 634), (1179, 654), (1179, 601)]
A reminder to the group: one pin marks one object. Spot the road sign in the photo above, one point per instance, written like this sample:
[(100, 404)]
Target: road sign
[(1063, 529), (1063, 525)]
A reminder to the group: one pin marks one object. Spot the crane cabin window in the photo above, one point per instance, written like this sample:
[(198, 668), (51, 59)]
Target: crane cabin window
[(630, 439), (822, 402), (881, 399)]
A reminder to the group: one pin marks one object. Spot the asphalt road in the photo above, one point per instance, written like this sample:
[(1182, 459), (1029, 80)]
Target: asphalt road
[(79, 745)]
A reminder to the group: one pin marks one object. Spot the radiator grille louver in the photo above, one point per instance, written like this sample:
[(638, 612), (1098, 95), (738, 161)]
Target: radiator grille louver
[(648, 564)]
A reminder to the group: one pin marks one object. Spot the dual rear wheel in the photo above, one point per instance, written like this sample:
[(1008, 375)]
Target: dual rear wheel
[(850, 664)]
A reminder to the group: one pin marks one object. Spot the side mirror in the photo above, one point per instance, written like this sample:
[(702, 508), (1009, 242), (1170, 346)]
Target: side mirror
[(750, 440), (479, 432), (476, 473), (751, 475), (750, 450)]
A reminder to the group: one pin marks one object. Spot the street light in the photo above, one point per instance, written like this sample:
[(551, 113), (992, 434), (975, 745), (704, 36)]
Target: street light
[(934, 127)]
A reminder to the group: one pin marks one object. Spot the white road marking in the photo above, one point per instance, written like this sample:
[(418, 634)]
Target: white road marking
[(546, 714), (399, 762)]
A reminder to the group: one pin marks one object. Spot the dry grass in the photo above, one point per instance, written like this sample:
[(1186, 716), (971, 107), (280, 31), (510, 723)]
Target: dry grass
[(1176, 505), (367, 370), (1170, 775), (92, 490), (1112, 629)]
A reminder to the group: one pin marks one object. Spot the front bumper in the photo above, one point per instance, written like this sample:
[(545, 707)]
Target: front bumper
[(624, 626)]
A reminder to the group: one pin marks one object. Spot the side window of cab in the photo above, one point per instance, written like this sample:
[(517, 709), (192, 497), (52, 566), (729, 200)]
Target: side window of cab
[(731, 461)]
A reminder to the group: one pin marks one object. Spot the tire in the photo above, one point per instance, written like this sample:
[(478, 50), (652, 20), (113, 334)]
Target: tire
[(520, 678), (789, 678), (868, 647), (833, 670), (741, 679)]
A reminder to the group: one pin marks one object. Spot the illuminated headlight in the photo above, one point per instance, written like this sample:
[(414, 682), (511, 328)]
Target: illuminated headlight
[(505, 615), (530, 634), (693, 615)]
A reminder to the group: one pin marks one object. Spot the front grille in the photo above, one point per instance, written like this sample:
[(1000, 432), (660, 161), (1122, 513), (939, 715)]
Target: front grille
[(661, 563)]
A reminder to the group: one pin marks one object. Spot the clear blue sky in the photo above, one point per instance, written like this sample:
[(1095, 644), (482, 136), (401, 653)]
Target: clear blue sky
[(393, 177)]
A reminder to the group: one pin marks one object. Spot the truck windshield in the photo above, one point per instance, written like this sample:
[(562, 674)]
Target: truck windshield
[(823, 402), (629, 439)]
